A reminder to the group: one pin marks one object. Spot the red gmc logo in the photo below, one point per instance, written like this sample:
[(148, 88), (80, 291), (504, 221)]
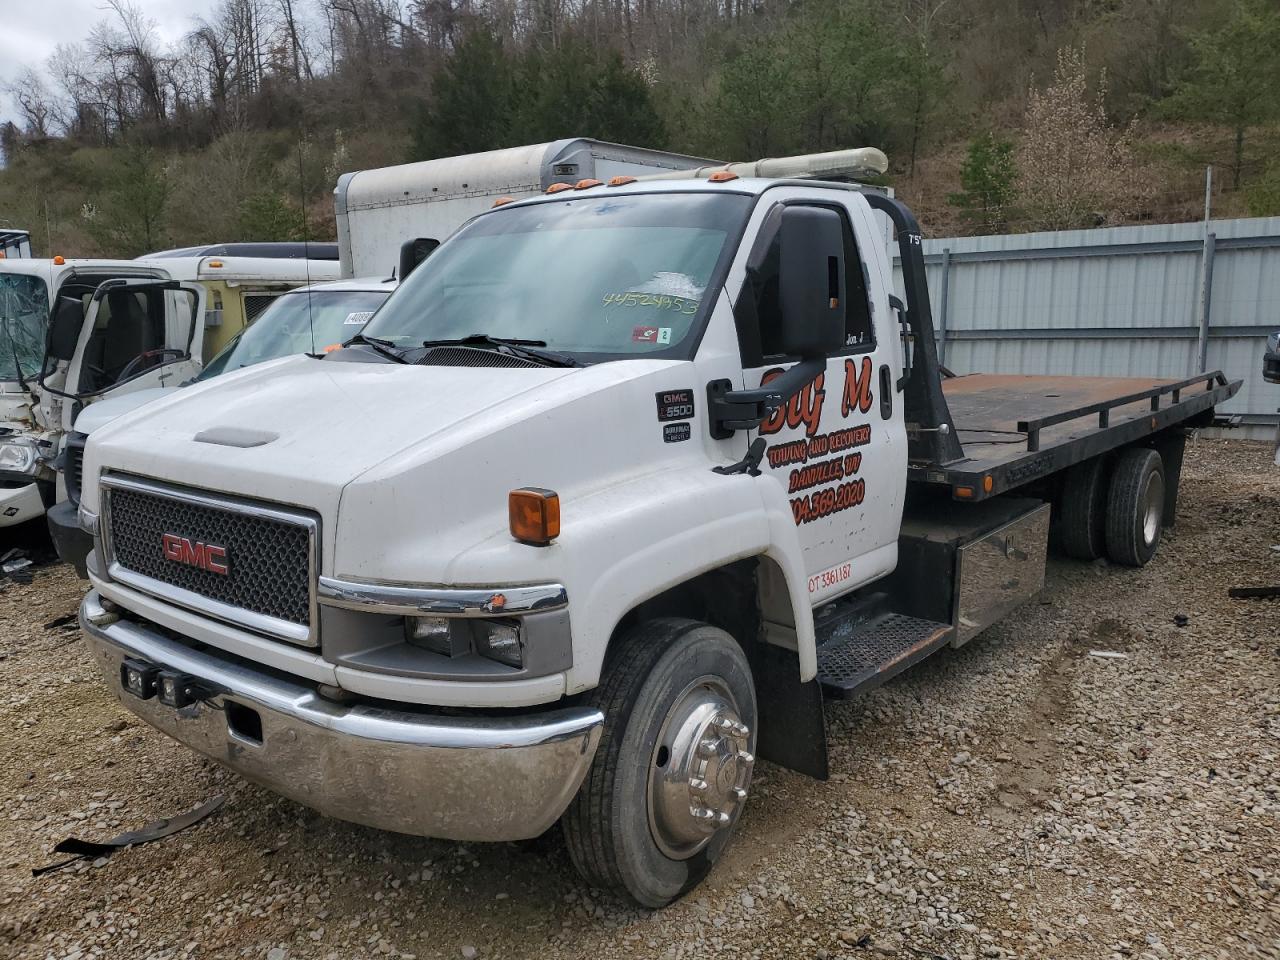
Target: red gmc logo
[(193, 553)]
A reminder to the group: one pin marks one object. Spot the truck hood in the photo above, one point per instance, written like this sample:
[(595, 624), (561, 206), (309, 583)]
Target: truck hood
[(409, 467), (296, 431), (98, 414)]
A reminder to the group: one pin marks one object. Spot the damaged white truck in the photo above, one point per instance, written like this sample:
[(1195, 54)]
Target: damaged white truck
[(613, 490)]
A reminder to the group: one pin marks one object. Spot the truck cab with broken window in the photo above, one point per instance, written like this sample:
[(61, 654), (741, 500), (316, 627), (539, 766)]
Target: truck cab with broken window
[(610, 495)]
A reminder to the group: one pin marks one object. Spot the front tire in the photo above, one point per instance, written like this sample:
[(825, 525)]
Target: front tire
[(674, 763)]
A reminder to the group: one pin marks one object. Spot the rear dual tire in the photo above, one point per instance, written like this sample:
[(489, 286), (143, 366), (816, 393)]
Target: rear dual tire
[(1114, 507), (1135, 507)]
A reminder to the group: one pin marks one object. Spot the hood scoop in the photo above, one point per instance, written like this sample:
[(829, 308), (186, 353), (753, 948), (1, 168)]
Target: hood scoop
[(473, 357), (235, 437)]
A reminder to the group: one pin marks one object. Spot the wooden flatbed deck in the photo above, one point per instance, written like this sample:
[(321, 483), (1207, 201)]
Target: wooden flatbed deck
[(1015, 429)]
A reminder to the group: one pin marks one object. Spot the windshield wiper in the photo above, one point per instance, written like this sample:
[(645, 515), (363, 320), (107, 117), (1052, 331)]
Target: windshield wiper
[(529, 349), (385, 347)]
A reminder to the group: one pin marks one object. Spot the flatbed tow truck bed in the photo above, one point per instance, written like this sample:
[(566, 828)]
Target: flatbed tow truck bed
[(1016, 429)]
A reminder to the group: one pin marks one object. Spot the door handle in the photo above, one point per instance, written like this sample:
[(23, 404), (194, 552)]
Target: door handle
[(886, 392)]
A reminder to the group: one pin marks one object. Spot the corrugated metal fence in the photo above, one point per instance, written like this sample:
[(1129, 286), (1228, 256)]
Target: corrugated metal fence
[(1123, 301)]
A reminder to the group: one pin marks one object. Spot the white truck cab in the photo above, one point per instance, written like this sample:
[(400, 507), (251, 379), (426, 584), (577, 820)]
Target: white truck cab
[(606, 498), (74, 331)]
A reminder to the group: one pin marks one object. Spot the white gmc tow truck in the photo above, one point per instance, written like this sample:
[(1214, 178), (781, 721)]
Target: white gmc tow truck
[(613, 490)]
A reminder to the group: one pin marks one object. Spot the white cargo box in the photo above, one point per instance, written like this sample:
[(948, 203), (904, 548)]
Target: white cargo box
[(378, 210)]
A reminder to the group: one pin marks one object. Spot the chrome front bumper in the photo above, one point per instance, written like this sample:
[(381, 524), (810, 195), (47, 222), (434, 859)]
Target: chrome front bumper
[(457, 777)]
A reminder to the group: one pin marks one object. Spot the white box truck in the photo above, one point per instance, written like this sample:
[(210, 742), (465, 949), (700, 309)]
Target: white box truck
[(379, 211), (600, 506)]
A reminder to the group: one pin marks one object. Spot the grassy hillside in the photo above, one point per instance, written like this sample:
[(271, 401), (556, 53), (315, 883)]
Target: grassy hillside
[(998, 115)]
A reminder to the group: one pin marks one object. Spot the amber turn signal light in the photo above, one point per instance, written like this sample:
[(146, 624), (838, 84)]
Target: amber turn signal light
[(535, 515), (557, 187)]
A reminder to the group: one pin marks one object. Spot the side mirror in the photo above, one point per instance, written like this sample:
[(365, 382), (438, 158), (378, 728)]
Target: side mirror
[(811, 287), (811, 292), (64, 328), (413, 252)]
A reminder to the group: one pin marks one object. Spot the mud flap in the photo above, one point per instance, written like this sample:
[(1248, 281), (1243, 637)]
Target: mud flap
[(793, 732)]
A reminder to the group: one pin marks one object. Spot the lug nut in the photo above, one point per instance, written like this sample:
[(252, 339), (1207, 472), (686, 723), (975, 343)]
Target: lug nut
[(738, 793), (709, 748), (744, 757), (698, 785)]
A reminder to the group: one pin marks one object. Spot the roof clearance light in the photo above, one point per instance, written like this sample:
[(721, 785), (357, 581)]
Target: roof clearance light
[(557, 187), (621, 181), (503, 201), (534, 515), (59, 260), (588, 184), (722, 176)]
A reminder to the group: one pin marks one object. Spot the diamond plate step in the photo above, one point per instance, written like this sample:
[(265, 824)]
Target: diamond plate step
[(855, 655)]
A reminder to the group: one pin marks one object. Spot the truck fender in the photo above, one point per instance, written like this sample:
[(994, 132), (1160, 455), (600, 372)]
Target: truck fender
[(626, 556), (785, 551)]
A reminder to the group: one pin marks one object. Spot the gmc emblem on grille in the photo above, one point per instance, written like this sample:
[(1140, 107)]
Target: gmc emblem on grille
[(193, 553)]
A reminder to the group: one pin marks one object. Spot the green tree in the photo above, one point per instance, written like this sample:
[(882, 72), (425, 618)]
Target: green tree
[(1234, 79), (469, 107), (845, 60), (577, 89), (989, 178), (266, 216), (127, 218), (750, 112)]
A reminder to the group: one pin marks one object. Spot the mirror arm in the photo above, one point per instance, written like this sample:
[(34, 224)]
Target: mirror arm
[(733, 410)]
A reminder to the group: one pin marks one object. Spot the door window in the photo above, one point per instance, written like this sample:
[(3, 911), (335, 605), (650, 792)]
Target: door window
[(135, 331)]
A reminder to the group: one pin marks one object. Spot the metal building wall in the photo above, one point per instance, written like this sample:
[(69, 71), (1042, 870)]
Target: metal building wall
[(1122, 301)]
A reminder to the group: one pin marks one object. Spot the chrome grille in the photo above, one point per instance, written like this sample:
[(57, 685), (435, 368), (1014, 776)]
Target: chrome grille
[(270, 554)]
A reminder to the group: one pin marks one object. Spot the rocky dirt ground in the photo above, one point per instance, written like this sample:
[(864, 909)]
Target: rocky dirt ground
[(1019, 797)]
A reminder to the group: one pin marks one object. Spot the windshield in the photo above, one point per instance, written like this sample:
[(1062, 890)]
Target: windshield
[(298, 322), (24, 315), (622, 275)]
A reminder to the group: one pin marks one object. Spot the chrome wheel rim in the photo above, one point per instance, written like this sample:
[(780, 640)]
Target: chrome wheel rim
[(1152, 509), (699, 770)]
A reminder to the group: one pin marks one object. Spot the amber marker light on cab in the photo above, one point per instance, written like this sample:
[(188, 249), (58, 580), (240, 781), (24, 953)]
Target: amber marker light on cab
[(535, 515), (557, 187)]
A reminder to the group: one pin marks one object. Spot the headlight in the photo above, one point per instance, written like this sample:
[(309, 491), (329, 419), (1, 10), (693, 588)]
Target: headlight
[(497, 640), (17, 457)]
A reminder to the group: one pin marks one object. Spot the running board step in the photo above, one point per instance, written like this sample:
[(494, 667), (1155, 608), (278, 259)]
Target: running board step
[(858, 656)]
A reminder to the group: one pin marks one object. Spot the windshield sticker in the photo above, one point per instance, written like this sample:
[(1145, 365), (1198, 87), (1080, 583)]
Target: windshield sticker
[(360, 318), (664, 335), (675, 405), (678, 285), (634, 298), (676, 432), (644, 335)]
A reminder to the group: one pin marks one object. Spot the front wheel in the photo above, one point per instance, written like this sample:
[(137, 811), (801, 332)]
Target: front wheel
[(674, 763)]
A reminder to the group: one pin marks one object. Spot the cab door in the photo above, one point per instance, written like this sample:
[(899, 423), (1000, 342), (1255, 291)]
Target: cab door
[(839, 448), (136, 334)]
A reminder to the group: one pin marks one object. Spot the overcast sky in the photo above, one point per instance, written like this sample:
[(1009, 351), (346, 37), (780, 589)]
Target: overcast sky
[(30, 29)]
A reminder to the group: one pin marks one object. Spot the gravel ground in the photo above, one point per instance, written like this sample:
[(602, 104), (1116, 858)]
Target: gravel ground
[(1016, 798)]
